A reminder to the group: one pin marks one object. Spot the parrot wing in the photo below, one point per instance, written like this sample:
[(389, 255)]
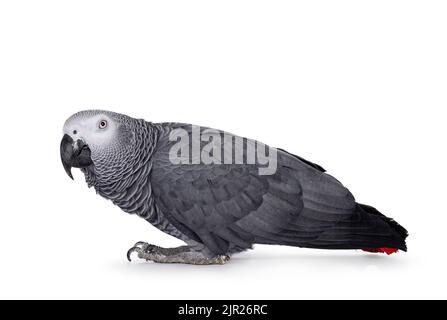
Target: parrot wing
[(229, 207)]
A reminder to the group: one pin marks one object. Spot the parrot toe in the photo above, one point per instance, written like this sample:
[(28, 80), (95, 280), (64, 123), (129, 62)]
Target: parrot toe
[(142, 248)]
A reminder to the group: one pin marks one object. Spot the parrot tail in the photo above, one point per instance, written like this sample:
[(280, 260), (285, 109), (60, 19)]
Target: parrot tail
[(401, 231), (367, 229)]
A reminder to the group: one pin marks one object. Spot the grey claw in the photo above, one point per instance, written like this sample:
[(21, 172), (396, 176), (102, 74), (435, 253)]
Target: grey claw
[(132, 250)]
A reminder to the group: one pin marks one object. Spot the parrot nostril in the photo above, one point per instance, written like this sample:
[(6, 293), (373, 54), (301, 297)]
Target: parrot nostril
[(75, 131)]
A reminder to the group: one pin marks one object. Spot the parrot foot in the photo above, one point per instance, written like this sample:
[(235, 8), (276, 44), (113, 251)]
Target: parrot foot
[(181, 254)]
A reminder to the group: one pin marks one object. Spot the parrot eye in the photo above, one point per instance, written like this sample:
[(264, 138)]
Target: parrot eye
[(102, 124)]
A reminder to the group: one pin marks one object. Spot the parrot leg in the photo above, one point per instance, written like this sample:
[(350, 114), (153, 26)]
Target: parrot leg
[(181, 254)]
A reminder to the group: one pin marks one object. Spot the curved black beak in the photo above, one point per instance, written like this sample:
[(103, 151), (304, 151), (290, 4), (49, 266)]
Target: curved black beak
[(74, 154)]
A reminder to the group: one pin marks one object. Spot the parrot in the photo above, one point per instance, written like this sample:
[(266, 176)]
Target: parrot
[(218, 192)]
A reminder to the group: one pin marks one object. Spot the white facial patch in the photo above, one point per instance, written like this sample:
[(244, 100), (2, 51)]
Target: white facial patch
[(86, 126)]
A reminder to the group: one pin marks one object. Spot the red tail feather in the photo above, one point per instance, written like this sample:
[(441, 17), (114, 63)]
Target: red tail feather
[(388, 251)]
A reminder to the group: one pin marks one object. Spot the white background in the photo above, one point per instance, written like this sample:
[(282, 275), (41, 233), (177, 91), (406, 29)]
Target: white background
[(356, 86)]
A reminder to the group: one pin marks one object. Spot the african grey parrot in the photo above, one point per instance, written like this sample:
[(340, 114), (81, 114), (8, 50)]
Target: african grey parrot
[(217, 208)]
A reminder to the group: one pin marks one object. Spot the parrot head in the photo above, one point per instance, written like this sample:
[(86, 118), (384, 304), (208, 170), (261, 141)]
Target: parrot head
[(95, 138)]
